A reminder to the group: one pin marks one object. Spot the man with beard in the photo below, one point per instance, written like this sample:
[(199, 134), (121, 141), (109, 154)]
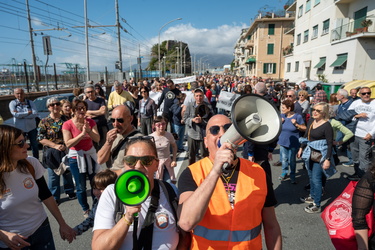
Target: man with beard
[(113, 148)]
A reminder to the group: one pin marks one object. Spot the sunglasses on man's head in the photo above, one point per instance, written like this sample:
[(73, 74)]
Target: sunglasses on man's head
[(55, 104), (21, 143), (119, 120), (146, 160), (366, 93), (214, 130)]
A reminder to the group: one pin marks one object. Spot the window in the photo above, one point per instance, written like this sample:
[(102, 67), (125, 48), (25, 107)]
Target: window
[(305, 36), (288, 66), (300, 11), (315, 32), (299, 39), (325, 27), (321, 64), (340, 62), (270, 48), (296, 68), (359, 16), (269, 68), (317, 2), (271, 29), (308, 6)]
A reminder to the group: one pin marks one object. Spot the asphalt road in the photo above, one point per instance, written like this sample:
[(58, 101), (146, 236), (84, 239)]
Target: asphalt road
[(299, 229)]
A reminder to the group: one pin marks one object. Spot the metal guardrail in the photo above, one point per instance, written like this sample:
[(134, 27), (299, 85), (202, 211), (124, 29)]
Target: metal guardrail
[(348, 30)]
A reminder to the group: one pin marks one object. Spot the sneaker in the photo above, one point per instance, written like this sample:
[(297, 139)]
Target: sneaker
[(277, 164), (307, 199), (313, 209), (86, 213), (353, 177), (72, 196), (348, 164)]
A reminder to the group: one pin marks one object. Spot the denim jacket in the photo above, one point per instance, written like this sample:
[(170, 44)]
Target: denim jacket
[(322, 146)]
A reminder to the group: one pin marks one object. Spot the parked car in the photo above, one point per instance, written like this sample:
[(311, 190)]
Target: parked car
[(40, 104)]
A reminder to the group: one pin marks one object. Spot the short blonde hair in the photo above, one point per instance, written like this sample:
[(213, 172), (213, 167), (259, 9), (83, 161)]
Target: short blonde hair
[(325, 109)]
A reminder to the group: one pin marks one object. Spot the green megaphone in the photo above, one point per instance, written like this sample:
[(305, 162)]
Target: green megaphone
[(132, 187)]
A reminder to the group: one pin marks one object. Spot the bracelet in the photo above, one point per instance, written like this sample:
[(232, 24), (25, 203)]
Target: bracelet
[(127, 222)]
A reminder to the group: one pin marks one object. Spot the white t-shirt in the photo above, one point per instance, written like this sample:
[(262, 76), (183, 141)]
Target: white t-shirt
[(365, 125), (165, 234), (21, 211)]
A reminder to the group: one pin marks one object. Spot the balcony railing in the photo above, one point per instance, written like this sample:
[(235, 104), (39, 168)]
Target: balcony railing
[(290, 5), (288, 29), (348, 30), (288, 50)]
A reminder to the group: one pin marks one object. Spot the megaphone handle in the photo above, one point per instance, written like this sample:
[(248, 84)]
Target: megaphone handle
[(135, 231), (225, 168)]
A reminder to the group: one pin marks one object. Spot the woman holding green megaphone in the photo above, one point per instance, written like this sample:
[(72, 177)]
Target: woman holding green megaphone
[(137, 190)]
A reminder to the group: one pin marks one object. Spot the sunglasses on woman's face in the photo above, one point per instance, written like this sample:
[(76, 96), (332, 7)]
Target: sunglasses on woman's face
[(21, 143), (214, 130), (146, 160), (55, 104), (317, 110)]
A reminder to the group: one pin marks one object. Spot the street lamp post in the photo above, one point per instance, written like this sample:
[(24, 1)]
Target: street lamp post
[(159, 40)]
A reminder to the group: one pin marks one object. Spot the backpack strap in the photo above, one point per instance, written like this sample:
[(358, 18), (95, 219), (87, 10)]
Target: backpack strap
[(119, 210), (171, 196)]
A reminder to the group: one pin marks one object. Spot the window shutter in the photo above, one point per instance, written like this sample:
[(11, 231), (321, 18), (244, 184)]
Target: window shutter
[(265, 68), (274, 68)]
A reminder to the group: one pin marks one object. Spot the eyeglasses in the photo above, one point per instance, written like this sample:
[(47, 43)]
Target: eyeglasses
[(21, 143), (214, 130), (89, 92), (140, 138), (317, 110), (158, 124), (366, 93), (289, 96), (119, 120), (143, 91), (146, 160), (81, 108), (55, 104)]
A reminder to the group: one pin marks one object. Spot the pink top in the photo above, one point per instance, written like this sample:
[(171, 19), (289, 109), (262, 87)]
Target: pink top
[(85, 143), (163, 144)]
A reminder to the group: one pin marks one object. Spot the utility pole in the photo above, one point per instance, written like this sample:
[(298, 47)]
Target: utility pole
[(118, 35), (87, 43), (36, 80)]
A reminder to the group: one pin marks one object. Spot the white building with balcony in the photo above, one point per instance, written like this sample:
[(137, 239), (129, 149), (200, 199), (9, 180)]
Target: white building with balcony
[(331, 40), (240, 54)]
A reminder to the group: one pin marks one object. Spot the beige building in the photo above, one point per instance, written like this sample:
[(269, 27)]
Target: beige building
[(260, 51)]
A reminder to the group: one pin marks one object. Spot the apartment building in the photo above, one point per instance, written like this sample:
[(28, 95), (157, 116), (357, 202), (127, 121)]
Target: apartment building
[(334, 39), (260, 50)]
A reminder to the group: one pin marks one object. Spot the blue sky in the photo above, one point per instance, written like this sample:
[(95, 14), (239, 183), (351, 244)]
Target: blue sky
[(210, 28)]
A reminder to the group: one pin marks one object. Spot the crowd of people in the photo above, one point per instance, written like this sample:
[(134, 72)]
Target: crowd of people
[(77, 137)]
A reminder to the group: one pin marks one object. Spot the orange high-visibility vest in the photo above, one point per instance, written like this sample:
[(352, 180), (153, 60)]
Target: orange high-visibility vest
[(223, 227)]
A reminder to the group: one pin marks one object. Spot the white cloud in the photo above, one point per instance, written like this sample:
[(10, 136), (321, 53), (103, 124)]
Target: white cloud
[(217, 43), (220, 40)]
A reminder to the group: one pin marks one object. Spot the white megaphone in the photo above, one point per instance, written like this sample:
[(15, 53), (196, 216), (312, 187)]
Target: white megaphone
[(254, 119)]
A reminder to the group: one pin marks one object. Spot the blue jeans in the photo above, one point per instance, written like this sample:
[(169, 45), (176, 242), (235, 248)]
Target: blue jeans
[(80, 179), (288, 157), (315, 172), (42, 238), (32, 135), (180, 131), (54, 183)]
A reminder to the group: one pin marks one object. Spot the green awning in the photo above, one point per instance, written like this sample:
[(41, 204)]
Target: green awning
[(341, 59), (320, 63), (251, 60)]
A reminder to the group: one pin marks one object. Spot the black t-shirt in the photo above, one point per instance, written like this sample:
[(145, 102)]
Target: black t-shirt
[(95, 105), (187, 183), (324, 131), (168, 96)]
